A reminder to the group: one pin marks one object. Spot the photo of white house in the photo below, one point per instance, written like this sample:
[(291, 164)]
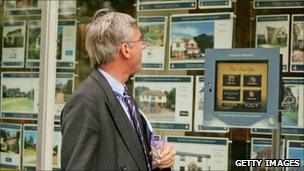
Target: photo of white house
[(153, 100), (157, 104)]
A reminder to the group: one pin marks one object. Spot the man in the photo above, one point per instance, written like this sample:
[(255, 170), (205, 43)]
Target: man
[(102, 128)]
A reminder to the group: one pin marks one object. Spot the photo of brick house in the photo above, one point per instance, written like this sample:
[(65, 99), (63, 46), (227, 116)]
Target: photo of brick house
[(189, 40), (185, 49)]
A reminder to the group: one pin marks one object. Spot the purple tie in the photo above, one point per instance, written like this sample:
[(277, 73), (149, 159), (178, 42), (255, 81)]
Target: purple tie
[(133, 111)]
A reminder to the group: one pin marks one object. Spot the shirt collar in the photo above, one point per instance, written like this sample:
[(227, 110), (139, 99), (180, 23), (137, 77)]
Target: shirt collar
[(119, 88), (115, 84)]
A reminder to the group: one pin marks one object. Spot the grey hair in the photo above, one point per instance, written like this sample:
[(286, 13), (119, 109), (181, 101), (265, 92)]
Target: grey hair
[(105, 32)]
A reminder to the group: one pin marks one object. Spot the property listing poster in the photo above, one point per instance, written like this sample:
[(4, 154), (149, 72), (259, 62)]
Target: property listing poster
[(295, 150), (13, 44), (64, 88), (277, 4), (191, 34), (293, 102), (67, 7), (22, 8), (214, 4), (66, 44), (10, 152), (165, 100), (297, 44), (19, 95), (272, 31), (261, 149), (197, 153), (56, 147), (199, 109), (33, 44), (34, 7), (30, 146), (154, 31), (153, 5), (293, 108)]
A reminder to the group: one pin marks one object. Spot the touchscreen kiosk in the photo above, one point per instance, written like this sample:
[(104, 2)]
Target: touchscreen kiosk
[(242, 88)]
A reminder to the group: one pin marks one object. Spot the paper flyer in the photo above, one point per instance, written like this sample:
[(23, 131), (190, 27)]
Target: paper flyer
[(297, 44), (272, 31), (197, 153), (10, 152), (191, 34), (154, 31), (165, 100), (66, 44), (13, 44), (295, 150), (19, 95)]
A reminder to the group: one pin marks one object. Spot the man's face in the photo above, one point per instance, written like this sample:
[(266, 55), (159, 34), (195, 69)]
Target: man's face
[(136, 46)]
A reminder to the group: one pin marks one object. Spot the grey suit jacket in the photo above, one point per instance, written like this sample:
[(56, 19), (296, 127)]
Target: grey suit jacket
[(96, 133)]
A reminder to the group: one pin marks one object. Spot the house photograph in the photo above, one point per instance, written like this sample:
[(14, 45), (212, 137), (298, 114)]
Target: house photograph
[(63, 88), (297, 54), (11, 4), (9, 141), (63, 91), (158, 103), (273, 37), (290, 104), (273, 32), (59, 42), (34, 36), (13, 38), (29, 149), (261, 149), (56, 148), (192, 161), (189, 40)]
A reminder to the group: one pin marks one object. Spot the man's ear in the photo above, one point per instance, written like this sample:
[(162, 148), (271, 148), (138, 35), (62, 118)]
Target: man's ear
[(125, 50)]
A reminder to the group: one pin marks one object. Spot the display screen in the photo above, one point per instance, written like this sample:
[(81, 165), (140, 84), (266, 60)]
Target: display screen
[(241, 86)]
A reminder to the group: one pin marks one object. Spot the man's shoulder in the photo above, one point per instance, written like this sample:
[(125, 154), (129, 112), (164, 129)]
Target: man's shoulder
[(89, 84), (89, 88)]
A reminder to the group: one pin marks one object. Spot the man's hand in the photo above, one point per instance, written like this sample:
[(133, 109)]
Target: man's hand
[(166, 157)]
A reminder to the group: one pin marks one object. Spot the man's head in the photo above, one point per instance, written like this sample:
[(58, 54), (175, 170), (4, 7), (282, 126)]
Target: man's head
[(111, 34)]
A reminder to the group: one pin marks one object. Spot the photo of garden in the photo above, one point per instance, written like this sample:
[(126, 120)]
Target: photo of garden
[(18, 95)]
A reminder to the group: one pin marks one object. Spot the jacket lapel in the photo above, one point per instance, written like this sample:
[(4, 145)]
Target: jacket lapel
[(121, 121)]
